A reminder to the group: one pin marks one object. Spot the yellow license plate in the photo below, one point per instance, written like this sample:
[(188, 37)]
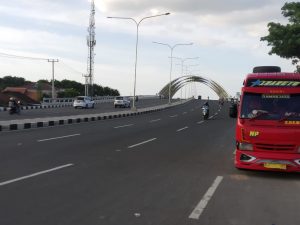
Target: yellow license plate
[(275, 166)]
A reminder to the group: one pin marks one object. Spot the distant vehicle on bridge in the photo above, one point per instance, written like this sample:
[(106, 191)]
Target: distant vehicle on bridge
[(121, 101), (268, 123), (83, 102)]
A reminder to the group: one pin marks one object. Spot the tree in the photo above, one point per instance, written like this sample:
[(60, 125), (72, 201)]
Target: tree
[(68, 93), (285, 39), (9, 81)]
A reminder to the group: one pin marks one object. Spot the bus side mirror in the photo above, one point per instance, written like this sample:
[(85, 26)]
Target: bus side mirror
[(233, 110)]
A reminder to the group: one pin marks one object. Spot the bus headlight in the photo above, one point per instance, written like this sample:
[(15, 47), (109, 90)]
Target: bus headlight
[(245, 146)]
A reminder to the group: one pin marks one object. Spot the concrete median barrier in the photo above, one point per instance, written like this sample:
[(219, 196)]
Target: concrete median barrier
[(12, 125)]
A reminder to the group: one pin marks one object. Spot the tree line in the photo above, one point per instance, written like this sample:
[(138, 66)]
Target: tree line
[(68, 88)]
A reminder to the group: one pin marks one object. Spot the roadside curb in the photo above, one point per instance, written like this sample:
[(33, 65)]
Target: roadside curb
[(26, 124)]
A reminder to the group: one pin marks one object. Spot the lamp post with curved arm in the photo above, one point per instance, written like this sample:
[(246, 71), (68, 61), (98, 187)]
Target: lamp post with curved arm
[(182, 64), (171, 48), (136, 44)]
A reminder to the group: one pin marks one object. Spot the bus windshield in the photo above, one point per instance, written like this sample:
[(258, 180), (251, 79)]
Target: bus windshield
[(270, 106)]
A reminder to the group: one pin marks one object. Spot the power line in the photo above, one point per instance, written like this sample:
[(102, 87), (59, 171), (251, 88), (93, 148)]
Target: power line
[(71, 68), (2, 54)]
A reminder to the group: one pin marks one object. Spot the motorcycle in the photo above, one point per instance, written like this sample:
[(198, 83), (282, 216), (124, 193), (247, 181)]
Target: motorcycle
[(205, 112), (14, 108)]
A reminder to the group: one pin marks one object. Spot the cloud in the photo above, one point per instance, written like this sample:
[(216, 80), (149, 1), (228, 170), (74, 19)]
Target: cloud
[(47, 11), (189, 6)]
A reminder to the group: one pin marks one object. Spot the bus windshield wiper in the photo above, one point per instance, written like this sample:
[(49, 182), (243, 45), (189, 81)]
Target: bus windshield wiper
[(258, 113), (289, 115)]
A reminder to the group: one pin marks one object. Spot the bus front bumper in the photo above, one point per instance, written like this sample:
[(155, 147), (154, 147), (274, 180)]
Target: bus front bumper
[(286, 162)]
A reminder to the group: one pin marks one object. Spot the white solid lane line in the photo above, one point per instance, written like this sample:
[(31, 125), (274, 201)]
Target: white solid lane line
[(182, 129), (141, 143), (50, 139), (174, 116), (127, 125), (152, 121), (35, 174), (204, 201)]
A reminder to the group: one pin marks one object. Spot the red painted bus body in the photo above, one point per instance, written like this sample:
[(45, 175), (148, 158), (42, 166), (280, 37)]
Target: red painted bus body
[(268, 123)]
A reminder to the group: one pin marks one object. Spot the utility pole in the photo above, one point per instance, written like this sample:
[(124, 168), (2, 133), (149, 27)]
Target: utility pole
[(91, 42), (53, 89), (86, 86)]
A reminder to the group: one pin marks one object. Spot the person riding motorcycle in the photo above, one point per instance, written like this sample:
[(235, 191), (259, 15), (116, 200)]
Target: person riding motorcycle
[(205, 110), (13, 105)]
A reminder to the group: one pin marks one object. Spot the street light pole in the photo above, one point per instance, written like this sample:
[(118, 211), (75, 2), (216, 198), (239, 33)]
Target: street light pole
[(182, 63), (171, 59), (136, 45)]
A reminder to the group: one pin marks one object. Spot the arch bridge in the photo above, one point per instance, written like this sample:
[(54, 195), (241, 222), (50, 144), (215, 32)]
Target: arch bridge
[(180, 82)]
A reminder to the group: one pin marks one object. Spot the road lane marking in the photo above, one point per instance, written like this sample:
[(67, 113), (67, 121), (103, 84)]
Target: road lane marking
[(174, 116), (182, 129), (55, 138), (184, 113), (141, 143), (204, 201), (152, 121), (35, 174), (200, 122), (127, 125), (211, 117), (192, 110)]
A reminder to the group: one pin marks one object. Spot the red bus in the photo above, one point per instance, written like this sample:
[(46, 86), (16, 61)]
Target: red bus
[(268, 121)]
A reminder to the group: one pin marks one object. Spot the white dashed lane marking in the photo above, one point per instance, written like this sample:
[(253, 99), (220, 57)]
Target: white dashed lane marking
[(204, 201), (55, 138), (35, 174), (127, 125), (141, 143), (181, 129), (152, 121)]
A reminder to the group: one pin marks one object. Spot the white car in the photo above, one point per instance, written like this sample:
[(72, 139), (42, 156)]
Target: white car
[(83, 102), (122, 102)]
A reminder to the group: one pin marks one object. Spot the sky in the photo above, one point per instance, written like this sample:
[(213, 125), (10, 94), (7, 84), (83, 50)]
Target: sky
[(225, 36)]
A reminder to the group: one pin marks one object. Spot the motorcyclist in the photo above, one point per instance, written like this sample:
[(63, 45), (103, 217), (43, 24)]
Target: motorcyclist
[(206, 104), (205, 110), (13, 105), (12, 102)]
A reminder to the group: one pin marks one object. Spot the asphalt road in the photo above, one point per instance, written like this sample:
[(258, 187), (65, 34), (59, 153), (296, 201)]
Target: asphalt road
[(67, 111), (164, 168)]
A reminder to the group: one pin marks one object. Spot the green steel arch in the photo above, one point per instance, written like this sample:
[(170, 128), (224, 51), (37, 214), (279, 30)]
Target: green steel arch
[(182, 81)]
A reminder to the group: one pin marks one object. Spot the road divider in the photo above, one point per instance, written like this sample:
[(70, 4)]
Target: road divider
[(22, 124)]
